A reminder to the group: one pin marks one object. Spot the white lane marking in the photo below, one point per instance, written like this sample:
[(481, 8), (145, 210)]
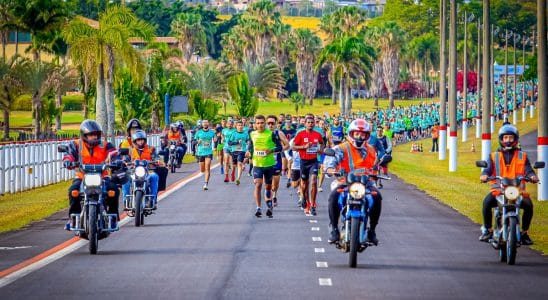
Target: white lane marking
[(319, 250), (316, 239), (325, 281), (321, 264), (15, 248), (315, 228), (77, 245), (313, 221)]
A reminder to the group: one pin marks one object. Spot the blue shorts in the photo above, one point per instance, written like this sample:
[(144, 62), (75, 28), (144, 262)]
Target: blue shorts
[(265, 173)]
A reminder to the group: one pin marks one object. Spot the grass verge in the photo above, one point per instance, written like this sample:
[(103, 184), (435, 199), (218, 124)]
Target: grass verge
[(462, 190), (18, 210)]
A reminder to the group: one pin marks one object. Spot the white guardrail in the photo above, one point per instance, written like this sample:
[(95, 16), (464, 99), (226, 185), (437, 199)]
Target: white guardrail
[(29, 165)]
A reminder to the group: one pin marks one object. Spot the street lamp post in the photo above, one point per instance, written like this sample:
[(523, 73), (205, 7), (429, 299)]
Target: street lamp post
[(478, 82), (532, 102), (453, 87), (494, 31), (542, 75), (524, 42), (505, 98), (443, 72), (514, 98), (486, 84)]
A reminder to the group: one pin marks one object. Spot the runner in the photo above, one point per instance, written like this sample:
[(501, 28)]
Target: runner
[(295, 162), (204, 141), (289, 132), (309, 143), (271, 122), (263, 148), (227, 156), (237, 142)]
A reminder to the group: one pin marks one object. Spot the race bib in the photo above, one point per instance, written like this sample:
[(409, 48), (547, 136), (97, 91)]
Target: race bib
[(313, 149), (260, 153), (238, 148), (206, 144), (336, 138)]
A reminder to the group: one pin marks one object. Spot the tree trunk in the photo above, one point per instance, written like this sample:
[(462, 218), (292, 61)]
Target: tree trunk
[(58, 104), (7, 116), (348, 96), (109, 95), (37, 105), (4, 42), (16, 42), (341, 96), (85, 104), (100, 102), (333, 83)]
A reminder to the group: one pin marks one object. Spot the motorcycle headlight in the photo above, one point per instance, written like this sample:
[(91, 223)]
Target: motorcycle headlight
[(357, 190), (172, 147), (92, 180), (511, 192), (140, 172)]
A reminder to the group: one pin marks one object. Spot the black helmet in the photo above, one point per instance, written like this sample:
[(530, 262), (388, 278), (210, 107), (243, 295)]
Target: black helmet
[(90, 126), (133, 123), (139, 134), (508, 130)]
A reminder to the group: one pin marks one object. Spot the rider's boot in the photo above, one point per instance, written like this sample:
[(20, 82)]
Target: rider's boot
[(372, 237), (334, 235)]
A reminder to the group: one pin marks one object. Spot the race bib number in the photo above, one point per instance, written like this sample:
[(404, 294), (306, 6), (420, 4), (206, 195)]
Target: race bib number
[(336, 138), (313, 149), (238, 148), (206, 144), (260, 153)]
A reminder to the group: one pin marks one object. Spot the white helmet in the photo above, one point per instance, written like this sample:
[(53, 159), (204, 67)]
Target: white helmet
[(358, 125)]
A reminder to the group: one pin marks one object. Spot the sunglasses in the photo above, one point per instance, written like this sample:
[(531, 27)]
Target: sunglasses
[(270, 123)]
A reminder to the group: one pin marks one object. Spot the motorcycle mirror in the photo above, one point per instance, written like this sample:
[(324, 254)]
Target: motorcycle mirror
[(329, 152), (62, 148), (539, 165), (123, 151), (481, 164)]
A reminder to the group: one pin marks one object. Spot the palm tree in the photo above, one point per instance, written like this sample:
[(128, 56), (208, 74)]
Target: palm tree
[(265, 78), (424, 50), (11, 86), (6, 24), (39, 16), (350, 58), (63, 79), (347, 20), (106, 46), (38, 79), (243, 95), (190, 33), (261, 18), (305, 50), (209, 78), (391, 38)]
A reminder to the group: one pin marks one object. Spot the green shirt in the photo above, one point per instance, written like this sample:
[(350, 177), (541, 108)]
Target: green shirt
[(262, 141), (205, 142)]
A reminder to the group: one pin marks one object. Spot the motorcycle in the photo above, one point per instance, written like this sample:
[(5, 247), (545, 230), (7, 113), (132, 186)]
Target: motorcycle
[(506, 231), (93, 223), (136, 202), (355, 202), (172, 158)]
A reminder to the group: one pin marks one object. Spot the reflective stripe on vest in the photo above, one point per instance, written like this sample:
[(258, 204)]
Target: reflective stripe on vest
[(353, 159)]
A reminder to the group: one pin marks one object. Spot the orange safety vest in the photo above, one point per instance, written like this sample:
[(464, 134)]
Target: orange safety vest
[(99, 156), (435, 132), (174, 136), (514, 169), (353, 159), (145, 154)]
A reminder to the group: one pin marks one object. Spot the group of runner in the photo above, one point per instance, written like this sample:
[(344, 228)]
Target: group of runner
[(271, 147)]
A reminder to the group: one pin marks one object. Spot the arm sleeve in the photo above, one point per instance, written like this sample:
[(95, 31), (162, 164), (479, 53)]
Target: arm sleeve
[(389, 145)]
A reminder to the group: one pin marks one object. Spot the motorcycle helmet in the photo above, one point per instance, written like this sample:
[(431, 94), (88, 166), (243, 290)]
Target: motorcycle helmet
[(90, 126), (133, 123), (358, 125), (173, 127), (508, 130), (138, 135)]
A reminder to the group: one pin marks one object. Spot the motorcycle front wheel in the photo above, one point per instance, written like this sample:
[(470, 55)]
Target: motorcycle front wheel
[(138, 199), (354, 242), (511, 243), (92, 226)]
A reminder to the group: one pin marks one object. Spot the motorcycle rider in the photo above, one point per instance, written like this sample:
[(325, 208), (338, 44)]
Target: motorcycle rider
[(514, 162), (90, 149), (354, 153), (174, 134), (132, 126), (142, 151)]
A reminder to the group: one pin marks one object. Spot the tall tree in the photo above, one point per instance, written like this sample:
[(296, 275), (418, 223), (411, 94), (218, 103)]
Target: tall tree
[(305, 51), (190, 33), (391, 38), (243, 95), (11, 86)]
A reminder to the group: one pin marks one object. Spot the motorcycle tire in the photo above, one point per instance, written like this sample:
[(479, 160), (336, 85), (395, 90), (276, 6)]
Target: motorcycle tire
[(93, 234), (511, 243), (138, 206), (354, 242), (172, 166)]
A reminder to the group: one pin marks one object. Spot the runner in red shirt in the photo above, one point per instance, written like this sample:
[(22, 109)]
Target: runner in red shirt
[(309, 143)]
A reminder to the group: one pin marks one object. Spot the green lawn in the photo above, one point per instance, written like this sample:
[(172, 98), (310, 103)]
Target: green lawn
[(24, 118), (462, 190)]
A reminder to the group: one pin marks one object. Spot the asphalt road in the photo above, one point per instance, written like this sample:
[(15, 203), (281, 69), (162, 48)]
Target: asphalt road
[(209, 245)]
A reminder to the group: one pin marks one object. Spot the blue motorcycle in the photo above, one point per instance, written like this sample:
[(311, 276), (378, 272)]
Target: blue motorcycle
[(355, 202), (139, 202)]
